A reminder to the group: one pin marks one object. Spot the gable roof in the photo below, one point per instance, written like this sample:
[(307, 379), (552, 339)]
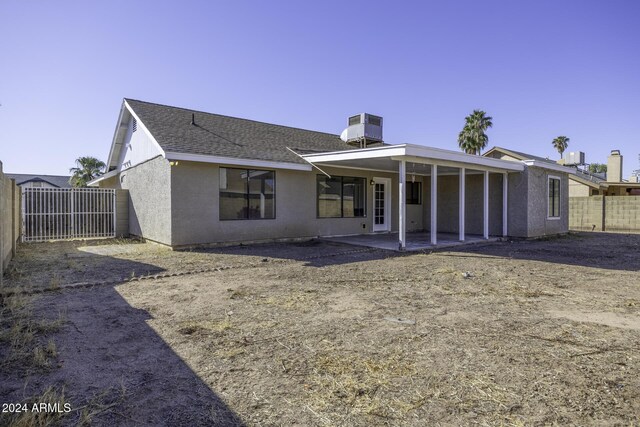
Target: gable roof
[(518, 155), (59, 181), (224, 136)]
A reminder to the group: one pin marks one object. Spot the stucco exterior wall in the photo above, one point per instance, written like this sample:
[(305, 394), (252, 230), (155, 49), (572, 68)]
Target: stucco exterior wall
[(449, 203), (195, 206), (577, 189), (538, 200), (149, 186)]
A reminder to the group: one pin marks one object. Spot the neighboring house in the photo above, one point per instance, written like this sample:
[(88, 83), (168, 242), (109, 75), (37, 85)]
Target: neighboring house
[(584, 183), (40, 181), (200, 178)]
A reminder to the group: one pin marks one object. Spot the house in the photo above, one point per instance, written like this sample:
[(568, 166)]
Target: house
[(200, 178), (40, 181), (584, 183)]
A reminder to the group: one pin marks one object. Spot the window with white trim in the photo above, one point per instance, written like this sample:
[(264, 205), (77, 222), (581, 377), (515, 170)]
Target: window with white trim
[(554, 197)]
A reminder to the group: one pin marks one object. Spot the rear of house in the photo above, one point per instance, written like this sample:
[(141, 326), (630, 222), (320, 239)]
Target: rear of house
[(200, 178)]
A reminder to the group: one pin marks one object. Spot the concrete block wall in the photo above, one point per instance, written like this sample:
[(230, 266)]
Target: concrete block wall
[(586, 213), (622, 214), (612, 213), (122, 213), (9, 219)]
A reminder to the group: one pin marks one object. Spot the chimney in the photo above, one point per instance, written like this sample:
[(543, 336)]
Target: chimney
[(614, 166)]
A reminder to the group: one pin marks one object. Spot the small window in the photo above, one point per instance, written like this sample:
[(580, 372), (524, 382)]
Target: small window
[(36, 185), (341, 197), (554, 198), (414, 193), (247, 194), (134, 125)]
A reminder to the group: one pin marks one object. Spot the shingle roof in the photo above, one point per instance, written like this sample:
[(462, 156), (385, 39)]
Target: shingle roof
[(57, 180), (522, 156), (224, 136)]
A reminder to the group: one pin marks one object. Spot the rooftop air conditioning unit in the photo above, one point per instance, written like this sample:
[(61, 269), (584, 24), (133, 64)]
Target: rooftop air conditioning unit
[(364, 129), (574, 158)]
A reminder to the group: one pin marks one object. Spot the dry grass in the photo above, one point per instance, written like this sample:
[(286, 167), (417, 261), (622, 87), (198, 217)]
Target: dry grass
[(191, 327), (360, 383), (54, 399), (24, 333)]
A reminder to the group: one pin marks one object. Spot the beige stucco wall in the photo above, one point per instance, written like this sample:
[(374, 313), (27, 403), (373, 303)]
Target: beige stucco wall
[(195, 204), (538, 190), (577, 189), (149, 186), (449, 203)]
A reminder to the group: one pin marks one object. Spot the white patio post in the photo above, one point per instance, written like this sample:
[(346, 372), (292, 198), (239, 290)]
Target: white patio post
[(434, 204), (485, 216), (505, 188), (402, 204), (461, 204)]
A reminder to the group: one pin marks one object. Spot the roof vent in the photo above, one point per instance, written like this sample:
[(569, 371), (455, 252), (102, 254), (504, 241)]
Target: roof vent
[(134, 125), (364, 129)]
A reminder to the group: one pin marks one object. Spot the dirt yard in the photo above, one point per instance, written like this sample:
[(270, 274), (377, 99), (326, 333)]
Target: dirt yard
[(514, 333)]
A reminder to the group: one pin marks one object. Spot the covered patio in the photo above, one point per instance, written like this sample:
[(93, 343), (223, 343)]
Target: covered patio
[(440, 170)]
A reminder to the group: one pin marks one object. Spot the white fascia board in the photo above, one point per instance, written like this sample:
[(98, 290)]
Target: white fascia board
[(549, 166), (107, 175), (462, 158), (171, 156), (364, 153), (115, 137), (144, 128)]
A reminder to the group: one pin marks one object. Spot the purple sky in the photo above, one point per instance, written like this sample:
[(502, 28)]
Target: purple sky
[(541, 69)]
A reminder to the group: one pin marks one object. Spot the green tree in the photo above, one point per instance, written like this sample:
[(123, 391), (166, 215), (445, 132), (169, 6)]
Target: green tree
[(597, 168), (87, 169), (560, 143), (472, 139)]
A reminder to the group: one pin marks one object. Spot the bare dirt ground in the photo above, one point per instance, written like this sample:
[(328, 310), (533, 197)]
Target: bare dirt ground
[(515, 333)]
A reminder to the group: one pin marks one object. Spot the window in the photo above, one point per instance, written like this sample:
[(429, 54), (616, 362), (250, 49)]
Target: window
[(341, 197), (554, 197), (414, 193), (247, 194)]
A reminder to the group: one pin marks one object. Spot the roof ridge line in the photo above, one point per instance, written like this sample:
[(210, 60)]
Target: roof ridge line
[(233, 117)]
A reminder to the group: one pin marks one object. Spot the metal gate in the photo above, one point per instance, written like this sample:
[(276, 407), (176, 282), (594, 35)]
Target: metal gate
[(68, 213)]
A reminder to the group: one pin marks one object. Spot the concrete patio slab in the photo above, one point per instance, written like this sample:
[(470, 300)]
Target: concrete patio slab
[(416, 241)]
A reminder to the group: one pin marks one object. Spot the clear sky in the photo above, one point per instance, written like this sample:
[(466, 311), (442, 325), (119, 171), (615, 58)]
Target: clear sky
[(539, 68)]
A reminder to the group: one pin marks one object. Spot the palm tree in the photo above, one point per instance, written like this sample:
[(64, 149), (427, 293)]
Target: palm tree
[(560, 143), (87, 169), (472, 139)]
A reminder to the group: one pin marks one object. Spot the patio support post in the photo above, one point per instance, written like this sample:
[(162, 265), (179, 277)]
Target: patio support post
[(461, 204), (402, 204), (505, 188), (434, 204), (485, 216)]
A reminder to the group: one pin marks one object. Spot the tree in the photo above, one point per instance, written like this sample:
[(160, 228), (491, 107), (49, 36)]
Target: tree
[(472, 139), (87, 169), (560, 143), (597, 168)]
